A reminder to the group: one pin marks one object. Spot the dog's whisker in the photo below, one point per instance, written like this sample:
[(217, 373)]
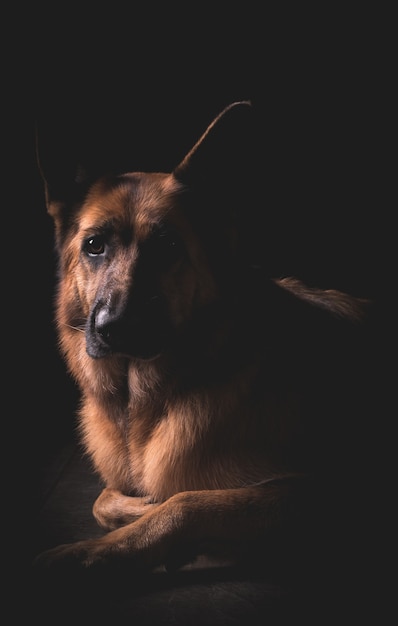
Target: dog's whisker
[(81, 330)]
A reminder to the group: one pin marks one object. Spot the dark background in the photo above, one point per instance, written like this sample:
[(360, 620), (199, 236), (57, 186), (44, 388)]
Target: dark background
[(134, 89), (135, 92)]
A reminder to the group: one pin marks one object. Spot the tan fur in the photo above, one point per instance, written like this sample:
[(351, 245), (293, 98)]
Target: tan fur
[(210, 438)]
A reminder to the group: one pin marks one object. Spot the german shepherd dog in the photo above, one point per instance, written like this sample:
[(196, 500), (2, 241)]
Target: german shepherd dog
[(222, 408)]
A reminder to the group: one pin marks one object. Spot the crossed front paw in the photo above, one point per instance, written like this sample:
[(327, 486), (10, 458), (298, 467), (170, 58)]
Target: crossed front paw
[(112, 509), (79, 555)]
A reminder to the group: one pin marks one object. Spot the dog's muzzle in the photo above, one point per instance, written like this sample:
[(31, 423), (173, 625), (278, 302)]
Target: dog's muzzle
[(139, 333)]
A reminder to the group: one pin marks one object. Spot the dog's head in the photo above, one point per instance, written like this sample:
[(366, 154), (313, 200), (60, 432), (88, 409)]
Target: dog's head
[(144, 257)]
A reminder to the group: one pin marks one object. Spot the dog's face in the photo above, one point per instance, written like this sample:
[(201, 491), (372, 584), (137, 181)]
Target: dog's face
[(143, 256), (137, 269)]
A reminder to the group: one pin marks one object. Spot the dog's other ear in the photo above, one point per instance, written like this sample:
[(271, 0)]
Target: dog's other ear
[(64, 177), (224, 151)]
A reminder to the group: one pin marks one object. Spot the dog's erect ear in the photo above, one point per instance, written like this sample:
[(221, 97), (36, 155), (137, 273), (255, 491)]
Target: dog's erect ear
[(65, 179), (225, 149)]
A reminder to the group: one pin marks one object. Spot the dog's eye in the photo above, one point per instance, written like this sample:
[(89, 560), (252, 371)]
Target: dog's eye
[(169, 240), (170, 245), (165, 246), (95, 245)]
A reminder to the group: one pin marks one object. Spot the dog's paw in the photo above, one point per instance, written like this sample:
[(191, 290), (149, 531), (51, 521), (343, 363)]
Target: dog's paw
[(124, 547), (112, 509), (77, 556)]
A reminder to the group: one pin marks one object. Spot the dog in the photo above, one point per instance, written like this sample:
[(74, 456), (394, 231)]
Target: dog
[(222, 408)]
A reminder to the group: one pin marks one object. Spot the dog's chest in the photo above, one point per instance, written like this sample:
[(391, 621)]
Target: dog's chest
[(189, 448), (167, 454)]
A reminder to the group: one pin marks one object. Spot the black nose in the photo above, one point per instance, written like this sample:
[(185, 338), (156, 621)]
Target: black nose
[(105, 324), (109, 327)]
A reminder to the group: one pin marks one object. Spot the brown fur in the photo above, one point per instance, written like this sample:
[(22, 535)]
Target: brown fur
[(235, 422)]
